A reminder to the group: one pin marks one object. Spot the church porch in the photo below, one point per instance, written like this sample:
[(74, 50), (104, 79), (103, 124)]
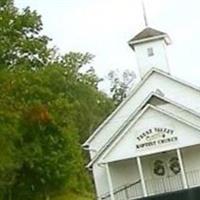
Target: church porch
[(154, 175)]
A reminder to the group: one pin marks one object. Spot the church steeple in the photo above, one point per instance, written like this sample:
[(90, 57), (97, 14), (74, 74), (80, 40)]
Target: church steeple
[(144, 14), (150, 48)]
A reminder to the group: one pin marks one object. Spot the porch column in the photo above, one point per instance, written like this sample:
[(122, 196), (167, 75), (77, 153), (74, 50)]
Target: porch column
[(110, 185), (182, 169), (141, 176)]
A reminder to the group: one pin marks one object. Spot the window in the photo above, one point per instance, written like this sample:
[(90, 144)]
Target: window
[(150, 51)]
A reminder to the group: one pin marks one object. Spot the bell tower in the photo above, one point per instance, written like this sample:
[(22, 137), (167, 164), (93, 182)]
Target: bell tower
[(150, 48)]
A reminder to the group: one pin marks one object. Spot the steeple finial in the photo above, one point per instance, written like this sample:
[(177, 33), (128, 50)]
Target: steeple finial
[(144, 14)]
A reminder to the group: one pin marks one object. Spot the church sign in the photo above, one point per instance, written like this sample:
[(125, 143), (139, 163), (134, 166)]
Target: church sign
[(155, 137)]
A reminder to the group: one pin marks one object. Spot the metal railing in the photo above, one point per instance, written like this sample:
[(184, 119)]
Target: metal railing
[(163, 185), (193, 178), (155, 186), (128, 191)]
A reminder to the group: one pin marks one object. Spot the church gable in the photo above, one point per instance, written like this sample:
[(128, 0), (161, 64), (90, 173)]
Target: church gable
[(164, 105), (154, 81), (153, 131)]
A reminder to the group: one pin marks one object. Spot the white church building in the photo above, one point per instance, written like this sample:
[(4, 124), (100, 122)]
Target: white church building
[(149, 147)]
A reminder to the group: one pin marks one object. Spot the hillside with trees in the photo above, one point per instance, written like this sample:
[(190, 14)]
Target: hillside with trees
[(48, 107)]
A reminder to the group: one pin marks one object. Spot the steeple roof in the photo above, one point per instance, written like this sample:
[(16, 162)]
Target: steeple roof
[(149, 34)]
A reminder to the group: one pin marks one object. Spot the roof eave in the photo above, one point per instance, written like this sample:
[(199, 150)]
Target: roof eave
[(152, 94), (107, 120), (165, 37), (152, 70), (138, 115)]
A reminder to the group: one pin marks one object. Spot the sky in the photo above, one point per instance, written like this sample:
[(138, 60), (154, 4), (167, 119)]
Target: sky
[(103, 28)]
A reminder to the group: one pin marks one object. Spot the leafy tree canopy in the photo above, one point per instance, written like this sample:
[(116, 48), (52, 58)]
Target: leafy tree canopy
[(21, 42), (48, 106), (45, 115)]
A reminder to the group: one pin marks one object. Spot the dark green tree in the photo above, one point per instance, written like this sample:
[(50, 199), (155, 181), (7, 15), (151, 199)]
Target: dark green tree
[(48, 106), (52, 113)]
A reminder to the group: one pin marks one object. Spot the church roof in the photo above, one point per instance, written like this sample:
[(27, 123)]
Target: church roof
[(148, 33), (138, 86), (138, 112)]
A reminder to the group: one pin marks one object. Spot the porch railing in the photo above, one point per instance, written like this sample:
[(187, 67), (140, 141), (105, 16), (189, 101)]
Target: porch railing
[(193, 178), (155, 186), (129, 191), (163, 185)]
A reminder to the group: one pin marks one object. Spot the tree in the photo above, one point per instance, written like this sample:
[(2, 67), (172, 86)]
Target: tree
[(120, 84), (48, 106), (50, 115), (21, 43)]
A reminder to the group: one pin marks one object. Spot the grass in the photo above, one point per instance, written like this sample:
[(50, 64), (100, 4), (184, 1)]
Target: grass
[(72, 196)]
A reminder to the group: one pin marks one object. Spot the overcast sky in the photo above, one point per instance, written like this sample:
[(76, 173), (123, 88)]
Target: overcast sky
[(103, 27)]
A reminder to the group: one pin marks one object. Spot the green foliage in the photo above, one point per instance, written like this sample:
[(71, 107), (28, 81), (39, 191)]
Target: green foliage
[(48, 106), (73, 196), (53, 114), (20, 41)]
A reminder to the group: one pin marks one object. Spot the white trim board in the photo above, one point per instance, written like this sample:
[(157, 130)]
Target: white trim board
[(147, 107), (126, 123), (138, 86)]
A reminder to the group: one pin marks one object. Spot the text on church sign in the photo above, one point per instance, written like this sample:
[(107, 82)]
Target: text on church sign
[(154, 137)]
